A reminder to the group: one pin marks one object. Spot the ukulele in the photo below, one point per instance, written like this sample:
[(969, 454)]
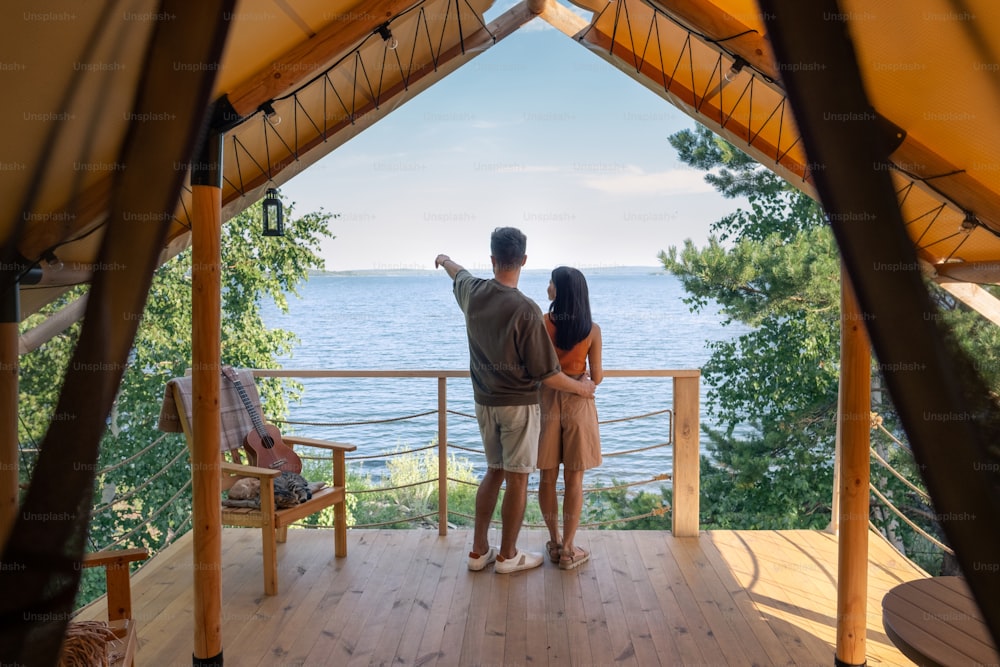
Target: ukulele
[(263, 444)]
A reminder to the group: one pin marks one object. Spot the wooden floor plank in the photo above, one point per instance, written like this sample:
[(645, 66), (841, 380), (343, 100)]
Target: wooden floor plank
[(415, 623), (715, 604), (582, 584), (407, 598), (637, 640), (375, 604), (575, 617), (658, 560), (549, 607), (516, 627), (337, 580), (751, 619), (336, 638), (274, 623), (382, 635), (803, 622), (268, 629), (453, 567), (663, 638), (462, 606), (472, 618), (693, 619), (650, 638), (494, 641)]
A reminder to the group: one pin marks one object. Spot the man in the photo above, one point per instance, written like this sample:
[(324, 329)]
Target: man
[(509, 354)]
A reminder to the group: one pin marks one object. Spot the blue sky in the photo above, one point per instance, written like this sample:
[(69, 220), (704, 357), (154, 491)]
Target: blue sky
[(537, 133)]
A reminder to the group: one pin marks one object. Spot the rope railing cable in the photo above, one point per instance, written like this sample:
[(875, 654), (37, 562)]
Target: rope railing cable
[(895, 440), (388, 420), (636, 450), (355, 423), (923, 533), (391, 488), (657, 511), (888, 466), (119, 499), (149, 518), (386, 455), (400, 520), (135, 456), (663, 477)]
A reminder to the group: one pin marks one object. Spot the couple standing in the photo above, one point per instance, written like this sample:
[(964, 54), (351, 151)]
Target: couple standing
[(512, 349)]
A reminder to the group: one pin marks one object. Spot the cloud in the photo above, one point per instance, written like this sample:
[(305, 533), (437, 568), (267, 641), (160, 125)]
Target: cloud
[(486, 124), (621, 179)]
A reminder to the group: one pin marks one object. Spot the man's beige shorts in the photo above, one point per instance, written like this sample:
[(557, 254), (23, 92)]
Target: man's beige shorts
[(510, 435)]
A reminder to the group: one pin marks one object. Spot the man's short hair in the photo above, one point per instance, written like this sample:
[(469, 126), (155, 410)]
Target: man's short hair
[(508, 246)]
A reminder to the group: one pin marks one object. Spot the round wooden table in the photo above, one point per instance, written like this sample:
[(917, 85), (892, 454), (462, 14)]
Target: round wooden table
[(936, 622)]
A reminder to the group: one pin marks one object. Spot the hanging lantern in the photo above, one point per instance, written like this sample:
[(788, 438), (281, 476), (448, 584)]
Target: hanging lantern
[(274, 224)]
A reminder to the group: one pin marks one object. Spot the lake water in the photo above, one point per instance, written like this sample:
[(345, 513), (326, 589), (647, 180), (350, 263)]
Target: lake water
[(410, 320)]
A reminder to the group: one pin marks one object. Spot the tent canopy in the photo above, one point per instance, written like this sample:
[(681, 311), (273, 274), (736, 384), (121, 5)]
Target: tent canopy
[(330, 69)]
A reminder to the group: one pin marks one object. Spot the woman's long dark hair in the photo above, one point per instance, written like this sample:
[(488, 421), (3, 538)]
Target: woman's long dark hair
[(570, 310)]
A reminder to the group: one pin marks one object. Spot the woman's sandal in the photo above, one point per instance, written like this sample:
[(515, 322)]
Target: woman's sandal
[(554, 549), (568, 561)]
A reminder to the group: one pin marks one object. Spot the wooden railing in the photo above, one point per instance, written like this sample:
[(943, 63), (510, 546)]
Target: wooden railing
[(685, 436)]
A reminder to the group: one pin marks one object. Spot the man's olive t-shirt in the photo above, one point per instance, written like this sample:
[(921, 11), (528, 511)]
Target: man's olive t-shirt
[(509, 349)]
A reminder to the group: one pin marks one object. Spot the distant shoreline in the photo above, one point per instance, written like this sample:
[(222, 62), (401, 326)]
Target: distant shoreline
[(479, 270)]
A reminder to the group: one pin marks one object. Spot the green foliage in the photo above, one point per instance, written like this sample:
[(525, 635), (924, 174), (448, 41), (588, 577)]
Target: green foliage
[(775, 206), (773, 389), (142, 494), (415, 473), (773, 267), (613, 507)]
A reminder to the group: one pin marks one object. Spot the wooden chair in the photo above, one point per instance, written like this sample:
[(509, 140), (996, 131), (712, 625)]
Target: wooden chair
[(272, 521), (119, 598)]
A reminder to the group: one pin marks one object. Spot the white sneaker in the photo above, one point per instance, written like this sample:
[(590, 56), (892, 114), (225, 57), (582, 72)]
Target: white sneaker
[(522, 560), (477, 563)]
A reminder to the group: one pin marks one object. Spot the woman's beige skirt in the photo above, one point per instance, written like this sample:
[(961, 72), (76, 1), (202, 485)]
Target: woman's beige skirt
[(570, 434)]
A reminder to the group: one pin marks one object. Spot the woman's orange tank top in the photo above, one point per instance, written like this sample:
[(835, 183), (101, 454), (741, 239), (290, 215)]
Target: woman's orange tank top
[(573, 362)]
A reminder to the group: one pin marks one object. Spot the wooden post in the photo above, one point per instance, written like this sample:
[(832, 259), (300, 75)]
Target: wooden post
[(855, 422), (340, 509), (834, 526), (687, 458), (8, 417), (442, 456), (206, 373)]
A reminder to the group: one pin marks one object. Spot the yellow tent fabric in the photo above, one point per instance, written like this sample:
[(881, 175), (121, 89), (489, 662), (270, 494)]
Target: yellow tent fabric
[(323, 67)]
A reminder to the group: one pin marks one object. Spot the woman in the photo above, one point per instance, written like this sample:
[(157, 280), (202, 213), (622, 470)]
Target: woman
[(569, 431)]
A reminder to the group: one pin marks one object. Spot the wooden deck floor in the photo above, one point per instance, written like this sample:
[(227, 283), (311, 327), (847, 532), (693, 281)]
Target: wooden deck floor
[(405, 597)]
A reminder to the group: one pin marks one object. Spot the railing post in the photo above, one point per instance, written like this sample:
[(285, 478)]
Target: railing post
[(442, 456), (687, 472)]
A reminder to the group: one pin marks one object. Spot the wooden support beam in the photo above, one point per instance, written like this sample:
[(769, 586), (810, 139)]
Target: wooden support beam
[(54, 325), (537, 6), (855, 470), (206, 463), (974, 297), (562, 19)]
